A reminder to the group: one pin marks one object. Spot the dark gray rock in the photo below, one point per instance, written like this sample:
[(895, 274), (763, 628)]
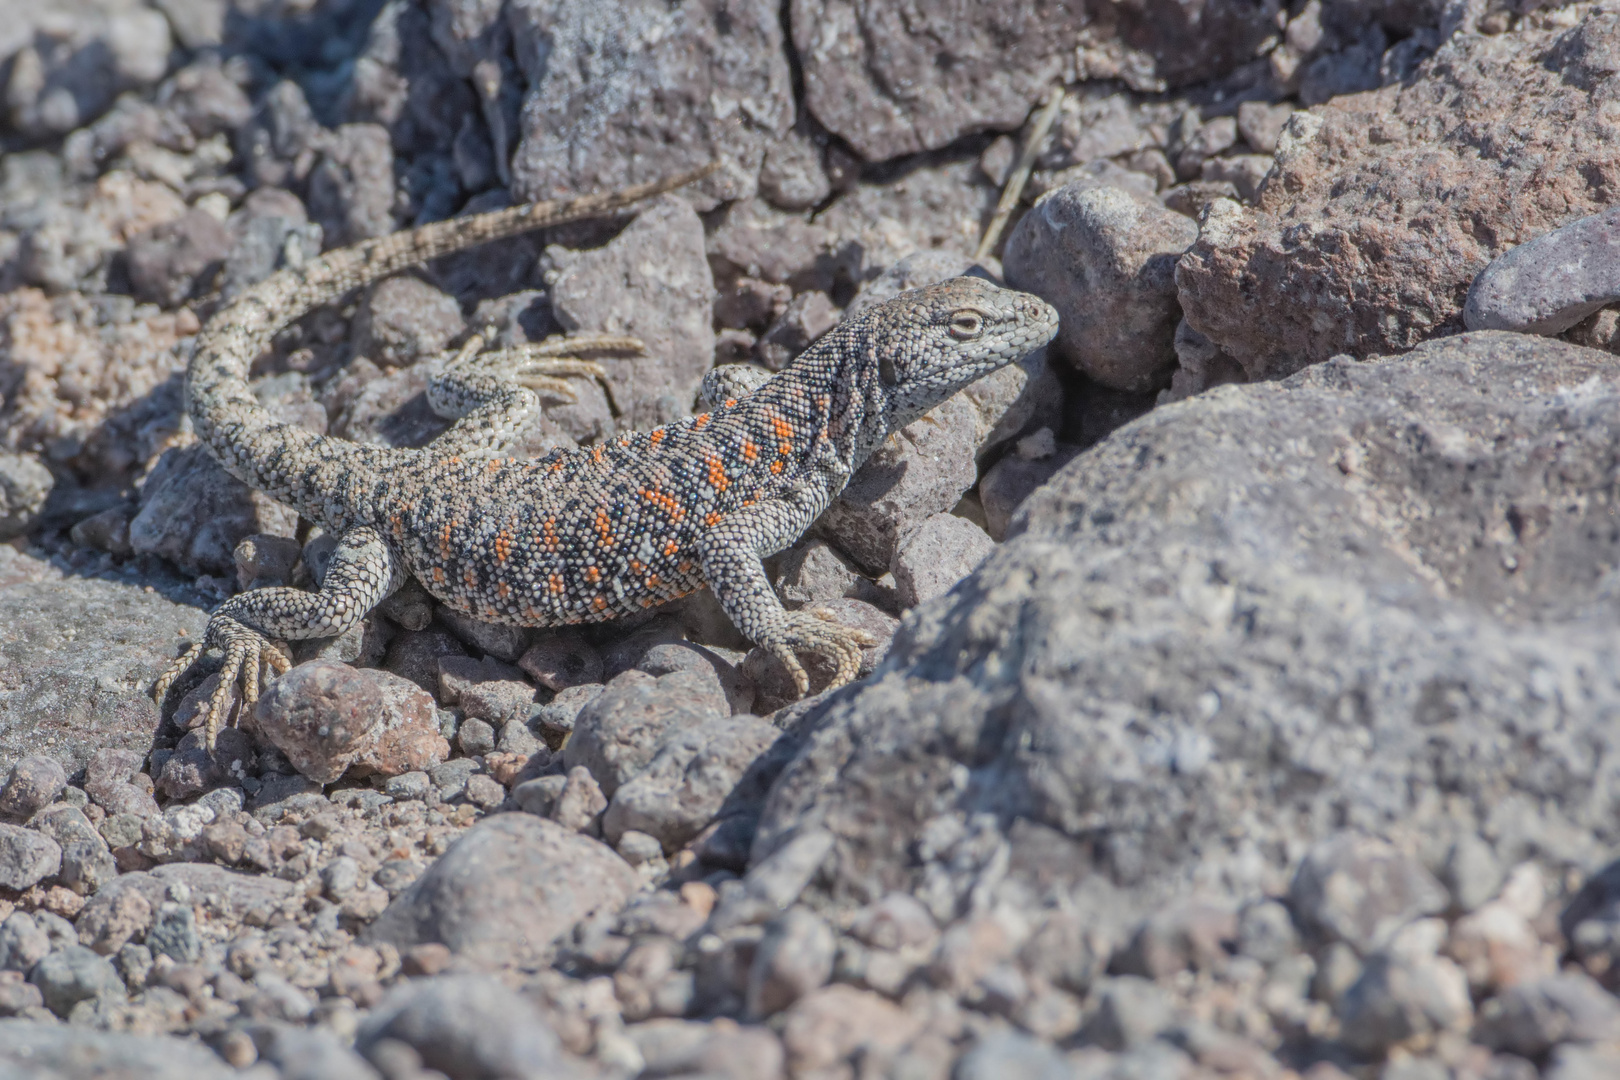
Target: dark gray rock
[(683, 85), (171, 261), (1547, 285), (506, 891), (270, 229), (561, 661), (194, 513), (922, 471), (404, 319), (22, 942), (806, 317), (722, 768), (653, 282), (465, 1026), (74, 974), (617, 735), (794, 958), (893, 81), (1530, 1019), (1106, 259), (1346, 664), (935, 555), (26, 857), (351, 189), (1014, 479)]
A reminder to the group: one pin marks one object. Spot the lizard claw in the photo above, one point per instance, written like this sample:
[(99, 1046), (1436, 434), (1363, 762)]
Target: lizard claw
[(818, 632), (249, 657)]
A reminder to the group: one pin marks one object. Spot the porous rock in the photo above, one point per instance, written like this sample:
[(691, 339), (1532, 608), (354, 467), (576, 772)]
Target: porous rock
[(686, 85), (1385, 205), (80, 655), (327, 717)]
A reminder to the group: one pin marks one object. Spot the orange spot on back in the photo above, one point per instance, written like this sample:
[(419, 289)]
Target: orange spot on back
[(700, 421), (711, 519), (502, 589), (730, 402), (503, 545), (604, 526), (776, 466), (717, 472), (655, 436), (750, 451), (438, 575), (671, 547), (599, 603), (592, 574), (555, 583)]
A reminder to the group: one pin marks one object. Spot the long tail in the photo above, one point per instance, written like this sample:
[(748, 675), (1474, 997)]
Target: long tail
[(321, 476)]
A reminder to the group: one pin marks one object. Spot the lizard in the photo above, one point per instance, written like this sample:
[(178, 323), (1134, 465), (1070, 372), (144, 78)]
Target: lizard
[(579, 535)]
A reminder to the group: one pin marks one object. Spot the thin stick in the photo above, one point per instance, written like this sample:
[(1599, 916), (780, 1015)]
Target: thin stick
[(1014, 190)]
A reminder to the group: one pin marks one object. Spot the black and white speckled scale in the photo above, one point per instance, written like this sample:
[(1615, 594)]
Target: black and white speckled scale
[(590, 534)]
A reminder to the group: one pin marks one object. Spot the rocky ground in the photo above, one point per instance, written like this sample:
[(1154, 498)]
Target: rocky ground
[(1244, 703)]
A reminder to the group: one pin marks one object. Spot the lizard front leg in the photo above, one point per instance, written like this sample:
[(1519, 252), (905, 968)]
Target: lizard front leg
[(730, 557), (363, 571), (493, 395)]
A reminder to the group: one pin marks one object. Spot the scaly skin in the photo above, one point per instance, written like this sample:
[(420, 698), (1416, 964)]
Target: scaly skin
[(590, 534)]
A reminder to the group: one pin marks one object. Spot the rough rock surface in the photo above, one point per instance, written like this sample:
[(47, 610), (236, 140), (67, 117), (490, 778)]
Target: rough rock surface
[(636, 92), (503, 895), (1385, 205), (1454, 631), (1106, 258)]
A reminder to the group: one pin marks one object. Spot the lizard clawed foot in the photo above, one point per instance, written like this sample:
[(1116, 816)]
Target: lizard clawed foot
[(818, 632), (249, 657)]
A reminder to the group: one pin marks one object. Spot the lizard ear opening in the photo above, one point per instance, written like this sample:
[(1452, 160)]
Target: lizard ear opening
[(886, 370)]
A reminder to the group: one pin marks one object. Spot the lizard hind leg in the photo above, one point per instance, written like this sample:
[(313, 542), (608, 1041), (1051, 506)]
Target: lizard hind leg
[(494, 394), (363, 571)]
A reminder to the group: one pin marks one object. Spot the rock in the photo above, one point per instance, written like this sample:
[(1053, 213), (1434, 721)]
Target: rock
[(617, 735), (1261, 124), (935, 555), (689, 1048), (24, 486), (464, 1025), (194, 513), (1532, 1018), (26, 857), (34, 784), (1106, 259), (499, 641), (328, 717), (721, 768), (266, 560), (171, 261), (18, 997), (873, 226), (825, 1028), (69, 64), (1181, 937), (1361, 891), (506, 891), (652, 282), (806, 317), (561, 661), (813, 571), (579, 803), (892, 83), (1404, 993), (1581, 1063), (1353, 248), (22, 943), (404, 319), (922, 471), (1012, 1056), (271, 228), (74, 974), (690, 84), (1549, 284), (1034, 669), (795, 957), (351, 189), (1245, 172), (192, 769), (34, 1048), (1011, 481), (792, 176)]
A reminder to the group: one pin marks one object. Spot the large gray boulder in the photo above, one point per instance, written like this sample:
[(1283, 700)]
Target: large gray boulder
[(1376, 598)]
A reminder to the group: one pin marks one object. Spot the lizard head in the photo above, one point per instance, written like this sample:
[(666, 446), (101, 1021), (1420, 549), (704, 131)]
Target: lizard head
[(925, 345)]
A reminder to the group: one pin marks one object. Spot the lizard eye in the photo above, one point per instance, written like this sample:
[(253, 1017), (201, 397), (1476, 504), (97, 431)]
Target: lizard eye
[(886, 370), (966, 325)]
